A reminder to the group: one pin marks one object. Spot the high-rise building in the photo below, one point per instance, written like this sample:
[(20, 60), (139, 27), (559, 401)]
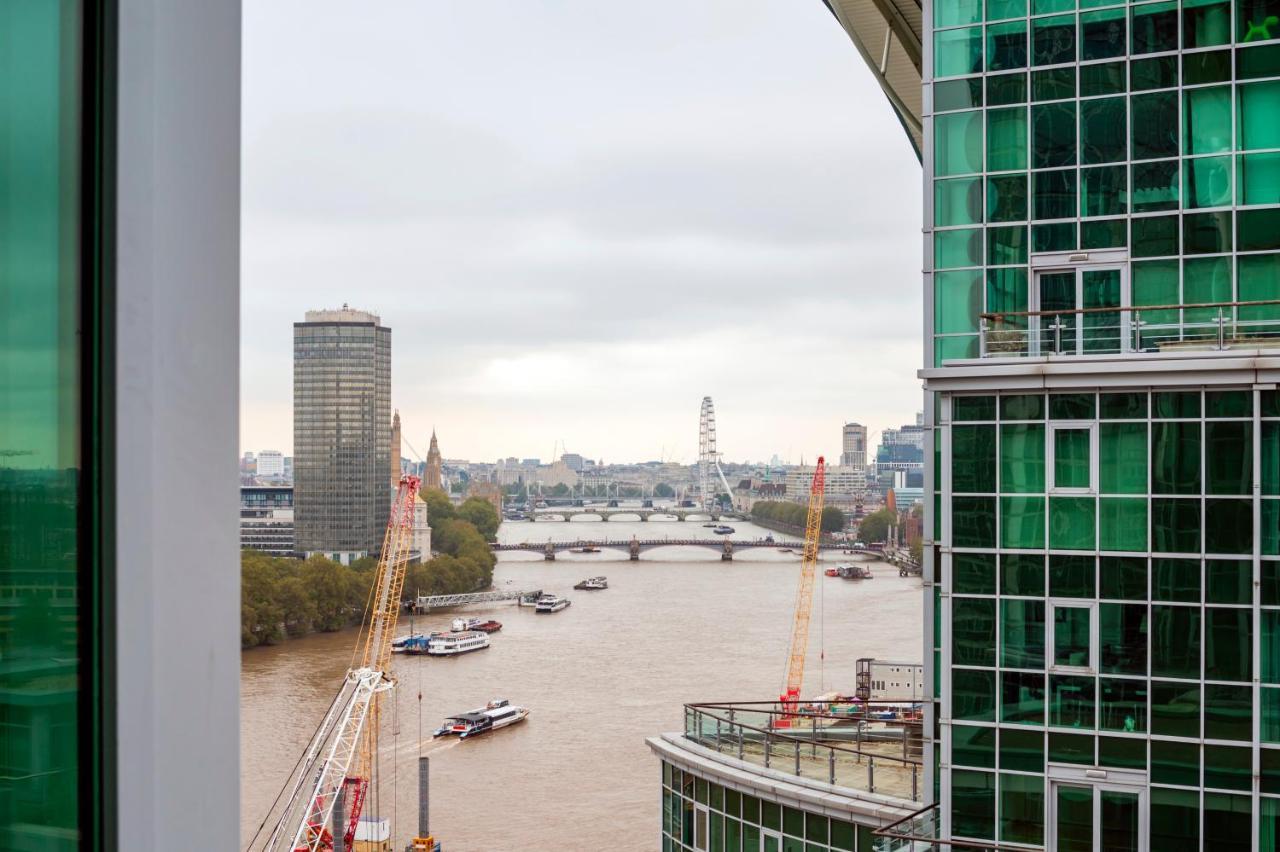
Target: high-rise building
[(119, 408), (341, 441), (434, 475), (853, 445), (270, 464), (1102, 535), (395, 450)]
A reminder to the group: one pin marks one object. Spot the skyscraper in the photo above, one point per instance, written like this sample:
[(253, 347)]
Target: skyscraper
[(341, 443), (854, 444), (395, 451)]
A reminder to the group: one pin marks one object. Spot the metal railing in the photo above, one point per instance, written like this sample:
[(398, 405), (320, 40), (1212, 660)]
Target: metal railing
[(920, 832), (872, 746), (1113, 330)]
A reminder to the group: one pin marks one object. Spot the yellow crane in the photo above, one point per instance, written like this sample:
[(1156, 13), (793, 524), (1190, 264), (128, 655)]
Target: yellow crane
[(790, 698), (341, 756)]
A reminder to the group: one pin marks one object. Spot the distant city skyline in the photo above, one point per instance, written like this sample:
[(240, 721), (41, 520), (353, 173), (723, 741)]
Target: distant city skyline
[(579, 252)]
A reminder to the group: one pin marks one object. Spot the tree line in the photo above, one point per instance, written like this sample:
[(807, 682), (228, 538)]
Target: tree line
[(795, 515), (289, 597)]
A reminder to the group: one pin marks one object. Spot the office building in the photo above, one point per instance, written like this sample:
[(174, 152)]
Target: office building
[(266, 519), (341, 438), (270, 464), (853, 445), (838, 481), (396, 469), (119, 338), (1102, 539)]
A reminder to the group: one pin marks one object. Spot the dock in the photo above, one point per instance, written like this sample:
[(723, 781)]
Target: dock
[(524, 597)]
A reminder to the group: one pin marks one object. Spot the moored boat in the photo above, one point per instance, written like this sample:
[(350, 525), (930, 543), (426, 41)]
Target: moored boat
[(461, 624), (550, 603), (452, 644), (832, 572), (723, 530), (489, 626), (592, 584), (499, 713)]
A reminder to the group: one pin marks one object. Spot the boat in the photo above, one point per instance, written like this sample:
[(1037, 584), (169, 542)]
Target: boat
[(723, 530), (498, 713), (587, 549), (593, 584), (489, 626), (785, 550), (854, 572), (832, 572), (711, 526), (462, 624), (452, 644), (550, 603), (398, 645)]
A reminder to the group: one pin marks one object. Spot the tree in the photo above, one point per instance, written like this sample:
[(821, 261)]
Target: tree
[(480, 514), (832, 519), (336, 593), (664, 491), (875, 527)]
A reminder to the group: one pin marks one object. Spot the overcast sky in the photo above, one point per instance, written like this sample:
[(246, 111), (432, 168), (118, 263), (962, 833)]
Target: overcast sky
[(580, 217)]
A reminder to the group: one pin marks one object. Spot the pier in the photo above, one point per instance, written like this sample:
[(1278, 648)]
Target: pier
[(428, 602)]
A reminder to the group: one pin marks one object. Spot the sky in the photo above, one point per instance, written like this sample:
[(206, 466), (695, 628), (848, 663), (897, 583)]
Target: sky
[(578, 218)]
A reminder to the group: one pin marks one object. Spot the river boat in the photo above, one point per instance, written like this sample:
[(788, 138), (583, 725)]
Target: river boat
[(489, 626), (723, 530), (462, 624), (832, 572), (550, 603), (854, 572), (453, 644), (398, 644), (785, 550), (711, 526), (499, 713), (593, 584)]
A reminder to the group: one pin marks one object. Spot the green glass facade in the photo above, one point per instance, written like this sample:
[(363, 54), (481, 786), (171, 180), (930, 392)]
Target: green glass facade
[(1103, 195), (50, 680)]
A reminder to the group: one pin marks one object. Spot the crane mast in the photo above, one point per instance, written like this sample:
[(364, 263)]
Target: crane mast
[(790, 698), (341, 752)]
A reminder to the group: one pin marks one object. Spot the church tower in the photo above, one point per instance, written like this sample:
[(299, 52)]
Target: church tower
[(434, 477)]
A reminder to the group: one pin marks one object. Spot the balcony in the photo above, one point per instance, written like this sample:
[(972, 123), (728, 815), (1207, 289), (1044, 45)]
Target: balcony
[(1129, 330), (868, 746)]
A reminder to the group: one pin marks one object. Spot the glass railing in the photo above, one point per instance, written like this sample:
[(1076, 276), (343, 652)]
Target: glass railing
[(1130, 330), (862, 745)]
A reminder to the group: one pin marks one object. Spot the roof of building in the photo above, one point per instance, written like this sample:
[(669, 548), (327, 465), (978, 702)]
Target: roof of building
[(888, 34)]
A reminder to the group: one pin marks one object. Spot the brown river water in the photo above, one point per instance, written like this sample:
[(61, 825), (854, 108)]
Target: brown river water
[(598, 677)]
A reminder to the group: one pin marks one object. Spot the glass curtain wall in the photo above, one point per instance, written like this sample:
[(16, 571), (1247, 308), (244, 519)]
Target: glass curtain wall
[(1080, 125), (49, 674)]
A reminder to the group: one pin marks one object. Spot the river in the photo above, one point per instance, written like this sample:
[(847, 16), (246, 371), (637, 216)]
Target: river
[(599, 677)]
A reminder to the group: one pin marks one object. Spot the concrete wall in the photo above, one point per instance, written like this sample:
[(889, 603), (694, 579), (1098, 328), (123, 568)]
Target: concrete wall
[(177, 369)]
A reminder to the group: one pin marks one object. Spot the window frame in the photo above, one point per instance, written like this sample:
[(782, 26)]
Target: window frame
[(1051, 643), (1051, 473)]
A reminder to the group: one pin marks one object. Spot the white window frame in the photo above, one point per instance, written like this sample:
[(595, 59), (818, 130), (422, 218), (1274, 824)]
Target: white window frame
[(1099, 787), (1054, 427), (701, 826), (1051, 644)]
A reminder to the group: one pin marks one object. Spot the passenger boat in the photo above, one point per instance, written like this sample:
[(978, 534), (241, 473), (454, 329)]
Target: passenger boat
[(723, 530), (854, 572), (592, 584), (498, 713), (550, 603), (398, 645), (452, 644), (461, 624)]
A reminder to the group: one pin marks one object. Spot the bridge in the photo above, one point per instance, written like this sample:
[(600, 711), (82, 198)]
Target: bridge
[(634, 547), (427, 602), (567, 513)]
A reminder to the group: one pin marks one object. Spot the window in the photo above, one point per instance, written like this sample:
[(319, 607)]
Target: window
[(1073, 636), (1072, 450)]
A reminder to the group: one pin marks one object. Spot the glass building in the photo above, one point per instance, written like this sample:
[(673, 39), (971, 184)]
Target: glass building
[(119, 230), (1102, 288), (341, 433)]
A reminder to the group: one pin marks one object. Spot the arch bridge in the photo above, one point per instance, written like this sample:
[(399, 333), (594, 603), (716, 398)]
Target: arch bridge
[(568, 513), (635, 546)]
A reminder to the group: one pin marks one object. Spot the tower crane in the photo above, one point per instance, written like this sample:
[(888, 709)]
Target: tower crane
[(790, 698), (341, 754)]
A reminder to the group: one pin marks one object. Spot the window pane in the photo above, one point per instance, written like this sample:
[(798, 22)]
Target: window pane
[(1206, 25), (1207, 120), (1175, 819), (973, 694), (1022, 574), (1103, 191), (1175, 709), (1122, 458), (1071, 458), (973, 573), (1006, 89), (1007, 245), (1227, 766), (1176, 404), (1103, 131), (1022, 698), (1123, 705), (1071, 523), (957, 94), (1022, 407), (1007, 46), (1054, 84), (1071, 702), (973, 746), (1102, 34), (1175, 458), (957, 146), (958, 301), (957, 248), (956, 13), (1007, 198), (1122, 638), (1155, 186), (957, 52), (1228, 526), (1108, 79), (1228, 653), (1053, 135), (1175, 525), (1228, 712), (1260, 114), (1228, 457), (1053, 40), (1155, 236), (1208, 182), (973, 521), (1022, 458), (1071, 636), (1259, 230), (1006, 139), (1228, 581), (1206, 280), (1021, 808), (973, 803), (1155, 28), (973, 454), (1175, 641), (1022, 634), (973, 628), (1228, 819), (1176, 580), (1023, 749), (1258, 277), (1155, 125), (1159, 72), (1022, 522), (1175, 763), (957, 201), (1122, 577)]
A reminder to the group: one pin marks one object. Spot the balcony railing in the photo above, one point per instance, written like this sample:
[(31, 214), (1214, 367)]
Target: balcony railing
[(871, 746), (1130, 329)]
